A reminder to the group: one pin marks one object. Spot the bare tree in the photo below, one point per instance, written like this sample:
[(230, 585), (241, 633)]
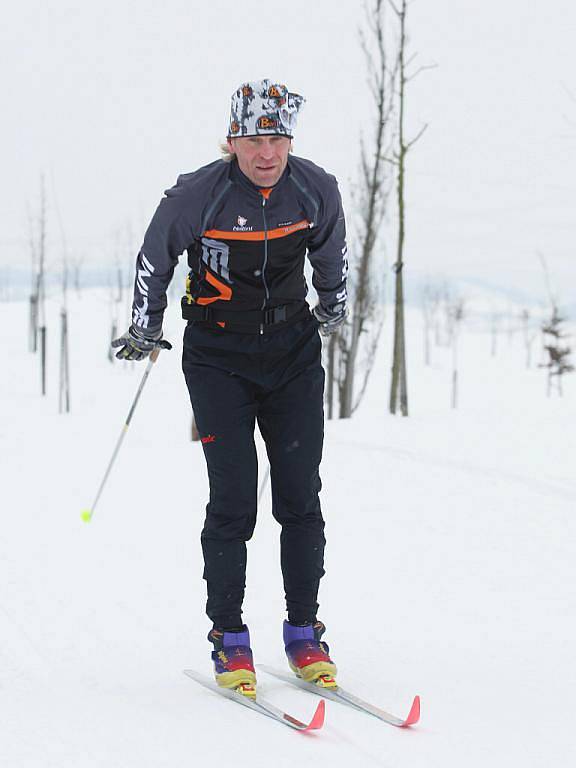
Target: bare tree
[(399, 386), (354, 349), (38, 294), (330, 383), (33, 298), (64, 391), (553, 334), (64, 381), (454, 318), (558, 362)]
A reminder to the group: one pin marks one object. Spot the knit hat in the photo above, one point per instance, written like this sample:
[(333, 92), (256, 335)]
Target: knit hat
[(263, 107)]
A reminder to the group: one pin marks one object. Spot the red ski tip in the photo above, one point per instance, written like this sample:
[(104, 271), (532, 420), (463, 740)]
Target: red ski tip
[(414, 714), (318, 718), (315, 724)]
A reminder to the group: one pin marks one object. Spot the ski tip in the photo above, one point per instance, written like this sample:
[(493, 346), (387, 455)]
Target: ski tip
[(414, 714), (318, 718)]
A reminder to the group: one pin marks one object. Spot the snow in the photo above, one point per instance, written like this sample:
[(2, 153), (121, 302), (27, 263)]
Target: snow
[(450, 567)]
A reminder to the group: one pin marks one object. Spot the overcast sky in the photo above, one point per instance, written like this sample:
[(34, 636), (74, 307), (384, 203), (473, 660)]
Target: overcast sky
[(113, 99)]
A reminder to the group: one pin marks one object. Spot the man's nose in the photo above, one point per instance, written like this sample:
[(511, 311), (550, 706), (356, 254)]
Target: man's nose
[(267, 149)]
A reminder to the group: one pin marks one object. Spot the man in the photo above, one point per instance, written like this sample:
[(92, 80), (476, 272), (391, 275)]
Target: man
[(252, 353)]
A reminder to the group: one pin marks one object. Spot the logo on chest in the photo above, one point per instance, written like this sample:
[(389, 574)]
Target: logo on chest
[(241, 225)]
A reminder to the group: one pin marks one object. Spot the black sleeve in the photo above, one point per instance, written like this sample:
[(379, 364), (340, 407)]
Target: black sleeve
[(170, 232), (327, 249)]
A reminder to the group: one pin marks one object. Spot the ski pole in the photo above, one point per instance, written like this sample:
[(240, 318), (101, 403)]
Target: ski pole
[(87, 514)]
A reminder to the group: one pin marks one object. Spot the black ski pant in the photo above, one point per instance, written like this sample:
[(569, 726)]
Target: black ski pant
[(277, 380)]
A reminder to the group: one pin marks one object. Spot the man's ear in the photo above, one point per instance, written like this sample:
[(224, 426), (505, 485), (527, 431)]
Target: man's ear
[(230, 146)]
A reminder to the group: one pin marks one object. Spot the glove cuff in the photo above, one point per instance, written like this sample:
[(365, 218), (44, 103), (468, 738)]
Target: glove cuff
[(145, 334), (332, 312)]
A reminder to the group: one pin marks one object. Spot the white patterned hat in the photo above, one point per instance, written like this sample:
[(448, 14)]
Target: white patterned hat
[(263, 107)]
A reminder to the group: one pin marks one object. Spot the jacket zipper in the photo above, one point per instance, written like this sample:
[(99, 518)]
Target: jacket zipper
[(267, 296)]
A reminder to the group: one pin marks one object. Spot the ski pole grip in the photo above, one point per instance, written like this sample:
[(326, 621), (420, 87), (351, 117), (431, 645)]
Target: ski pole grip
[(162, 344)]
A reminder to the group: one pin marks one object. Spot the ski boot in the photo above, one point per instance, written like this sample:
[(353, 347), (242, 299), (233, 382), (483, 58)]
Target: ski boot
[(308, 657), (232, 657)]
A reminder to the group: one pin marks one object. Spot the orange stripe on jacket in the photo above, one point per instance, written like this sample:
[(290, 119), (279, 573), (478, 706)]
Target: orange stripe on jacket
[(273, 234), (225, 291)]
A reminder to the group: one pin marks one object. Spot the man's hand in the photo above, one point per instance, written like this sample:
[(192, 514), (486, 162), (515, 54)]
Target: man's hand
[(330, 318), (136, 344)]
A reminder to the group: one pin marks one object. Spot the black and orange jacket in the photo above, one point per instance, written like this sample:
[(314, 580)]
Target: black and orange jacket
[(246, 245)]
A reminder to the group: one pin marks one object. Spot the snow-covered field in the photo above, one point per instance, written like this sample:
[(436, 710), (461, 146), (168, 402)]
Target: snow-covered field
[(450, 568)]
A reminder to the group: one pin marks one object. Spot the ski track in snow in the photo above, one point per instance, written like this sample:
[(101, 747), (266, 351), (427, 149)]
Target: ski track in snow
[(560, 487)]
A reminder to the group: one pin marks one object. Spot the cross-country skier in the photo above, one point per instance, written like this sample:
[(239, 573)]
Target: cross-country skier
[(252, 353)]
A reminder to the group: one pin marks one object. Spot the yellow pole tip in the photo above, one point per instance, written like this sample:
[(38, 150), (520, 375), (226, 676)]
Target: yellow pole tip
[(86, 515)]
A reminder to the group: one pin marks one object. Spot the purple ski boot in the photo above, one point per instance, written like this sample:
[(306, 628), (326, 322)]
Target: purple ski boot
[(232, 657), (308, 657)]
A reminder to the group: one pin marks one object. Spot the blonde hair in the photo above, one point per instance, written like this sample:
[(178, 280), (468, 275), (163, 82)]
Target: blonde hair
[(225, 153)]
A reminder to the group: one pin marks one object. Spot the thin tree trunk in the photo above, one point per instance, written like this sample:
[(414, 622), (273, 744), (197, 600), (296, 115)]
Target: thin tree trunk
[(371, 209), (64, 394), (33, 329), (348, 398), (399, 388), (42, 330), (455, 368), (454, 388), (40, 289)]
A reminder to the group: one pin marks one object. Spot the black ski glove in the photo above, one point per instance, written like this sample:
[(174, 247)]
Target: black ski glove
[(136, 344), (330, 318)]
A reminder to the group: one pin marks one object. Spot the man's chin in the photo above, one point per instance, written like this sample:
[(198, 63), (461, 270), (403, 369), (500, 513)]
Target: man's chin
[(267, 179)]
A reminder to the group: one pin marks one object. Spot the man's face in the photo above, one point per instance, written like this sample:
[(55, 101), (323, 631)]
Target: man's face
[(261, 158)]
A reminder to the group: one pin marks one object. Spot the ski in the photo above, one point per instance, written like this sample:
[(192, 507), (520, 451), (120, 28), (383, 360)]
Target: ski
[(262, 706), (344, 697)]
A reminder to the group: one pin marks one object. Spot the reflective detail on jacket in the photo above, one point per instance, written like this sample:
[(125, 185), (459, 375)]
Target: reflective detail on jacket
[(245, 246)]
